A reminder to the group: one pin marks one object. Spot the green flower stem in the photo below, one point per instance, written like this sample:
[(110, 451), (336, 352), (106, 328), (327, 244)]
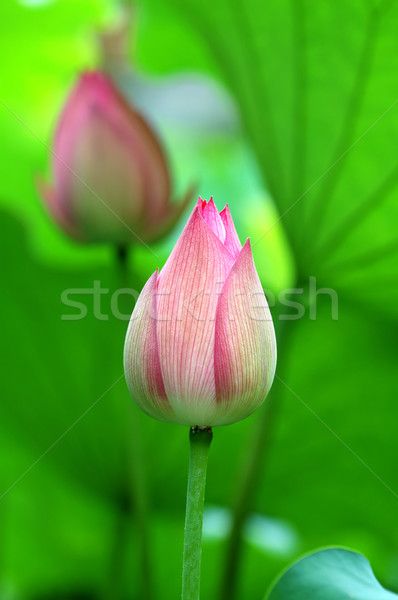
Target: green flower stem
[(134, 461), (200, 440)]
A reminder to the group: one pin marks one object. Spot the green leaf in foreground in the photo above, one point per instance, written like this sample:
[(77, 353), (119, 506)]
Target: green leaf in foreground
[(329, 574)]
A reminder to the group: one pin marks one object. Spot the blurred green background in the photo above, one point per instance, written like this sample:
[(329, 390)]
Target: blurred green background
[(294, 123)]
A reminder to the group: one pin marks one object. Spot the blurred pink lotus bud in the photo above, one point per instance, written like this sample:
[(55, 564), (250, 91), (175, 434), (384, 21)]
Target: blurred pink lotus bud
[(111, 180), (200, 347)]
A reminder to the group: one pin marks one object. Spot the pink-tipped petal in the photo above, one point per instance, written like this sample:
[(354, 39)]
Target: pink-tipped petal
[(201, 204), (188, 289), (232, 242), (141, 356), (245, 346), (213, 219)]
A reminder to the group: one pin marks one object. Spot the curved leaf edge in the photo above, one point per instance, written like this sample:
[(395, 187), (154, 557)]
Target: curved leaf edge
[(311, 553)]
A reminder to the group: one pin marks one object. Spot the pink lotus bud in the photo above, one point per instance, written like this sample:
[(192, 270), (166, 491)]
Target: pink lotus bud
[(200, 347), (111, 178)]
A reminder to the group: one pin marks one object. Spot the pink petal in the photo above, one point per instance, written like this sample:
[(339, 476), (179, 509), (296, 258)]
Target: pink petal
[(188, 289), (232, 242), (141, 356), (245, 346), (213, 219)]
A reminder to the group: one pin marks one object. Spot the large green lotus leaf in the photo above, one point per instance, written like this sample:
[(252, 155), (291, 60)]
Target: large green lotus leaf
[(330, 574), (316, 85)]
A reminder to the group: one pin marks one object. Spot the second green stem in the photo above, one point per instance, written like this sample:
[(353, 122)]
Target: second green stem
[(135, 455)]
